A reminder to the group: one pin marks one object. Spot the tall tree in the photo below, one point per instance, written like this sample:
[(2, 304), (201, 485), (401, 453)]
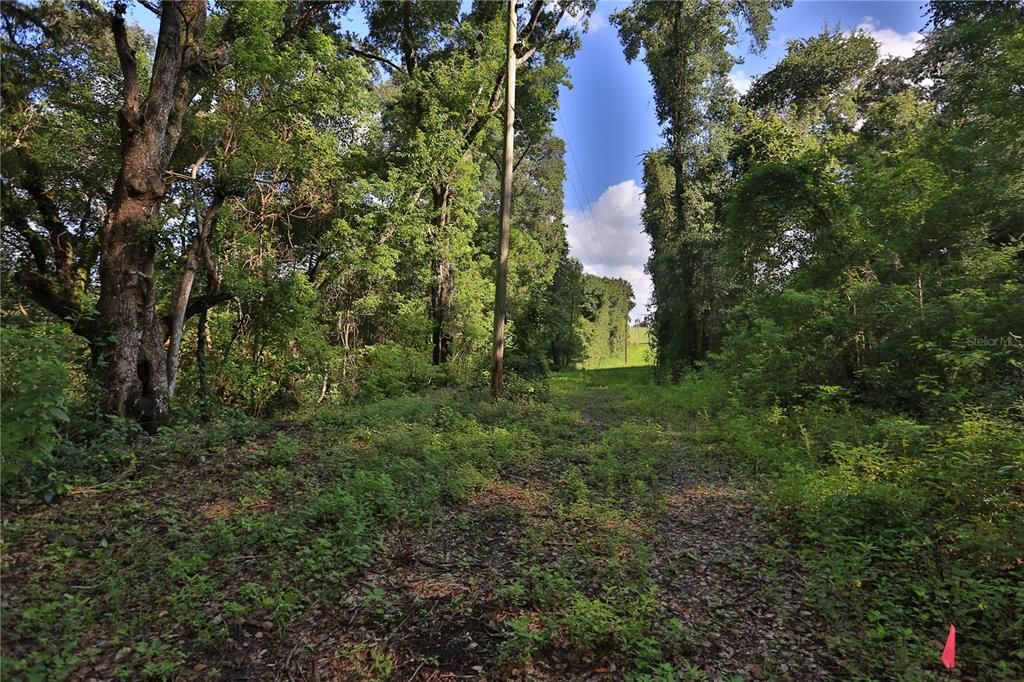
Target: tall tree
[(684, 46), (155, 100), (451, 83)]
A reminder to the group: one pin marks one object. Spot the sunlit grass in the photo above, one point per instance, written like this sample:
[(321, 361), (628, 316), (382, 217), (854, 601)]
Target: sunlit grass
[(638, 354)]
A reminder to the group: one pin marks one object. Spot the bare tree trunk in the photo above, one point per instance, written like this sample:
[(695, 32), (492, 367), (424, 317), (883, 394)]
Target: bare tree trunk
[(441, 291), (204, 227), (440, 303), (201, 331)]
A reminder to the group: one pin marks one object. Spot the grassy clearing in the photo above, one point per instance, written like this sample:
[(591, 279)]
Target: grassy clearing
[(639, 353), (219, 544), (168, 566)]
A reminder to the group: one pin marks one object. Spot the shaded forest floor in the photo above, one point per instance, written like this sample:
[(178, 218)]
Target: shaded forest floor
[(421, 538)]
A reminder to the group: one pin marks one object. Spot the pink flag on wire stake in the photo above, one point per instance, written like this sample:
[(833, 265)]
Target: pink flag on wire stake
[(949, 652)]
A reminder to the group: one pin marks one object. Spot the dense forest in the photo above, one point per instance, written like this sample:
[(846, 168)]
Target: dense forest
[(248, 284), (299, 216), (841, 249)]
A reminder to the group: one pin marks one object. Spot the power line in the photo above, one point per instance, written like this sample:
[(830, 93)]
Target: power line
[(501, 280), (572, 185), (586, 195), (585, 211), (582, 239)]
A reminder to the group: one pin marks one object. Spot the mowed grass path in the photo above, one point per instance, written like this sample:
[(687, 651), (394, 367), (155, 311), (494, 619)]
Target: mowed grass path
[(424, 537), (638, 354)]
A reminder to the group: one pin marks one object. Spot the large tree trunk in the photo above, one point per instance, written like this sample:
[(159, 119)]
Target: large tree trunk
[(135, 373), (440, 304)]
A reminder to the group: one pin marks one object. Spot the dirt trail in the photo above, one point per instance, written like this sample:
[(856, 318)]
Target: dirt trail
[(438, 609), (741, 595)]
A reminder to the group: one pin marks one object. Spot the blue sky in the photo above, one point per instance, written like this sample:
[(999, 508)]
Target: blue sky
[(607, 118)]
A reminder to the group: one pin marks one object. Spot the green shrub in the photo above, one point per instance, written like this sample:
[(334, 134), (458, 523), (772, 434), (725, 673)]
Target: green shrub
[(628, 461), (378, 494), (97, 445), (388, 370), (34, 375), (530, 364), (906, 526), (280, 356), (525, 390), (281, 452), (338, 507)]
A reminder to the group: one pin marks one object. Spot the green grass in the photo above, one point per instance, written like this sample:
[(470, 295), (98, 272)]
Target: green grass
[(160, 566), (639, 353), (232, 524), (903, 526), (898, 528)]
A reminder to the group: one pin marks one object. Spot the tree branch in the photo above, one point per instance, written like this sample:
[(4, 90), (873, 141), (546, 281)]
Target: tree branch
[(206, 301), (526, 152), (129, 67), (525, 57), (155, 9), (535, 11), (36, 244), (481, 121), (42, 291), (406, 40), (61, 247), (30, 15), (497, 162), (374, 57), (304, 19), (213, 278), (198, 305)]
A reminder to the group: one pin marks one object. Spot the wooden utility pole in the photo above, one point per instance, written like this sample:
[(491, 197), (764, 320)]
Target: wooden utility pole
[(501, 289), (626, 356)]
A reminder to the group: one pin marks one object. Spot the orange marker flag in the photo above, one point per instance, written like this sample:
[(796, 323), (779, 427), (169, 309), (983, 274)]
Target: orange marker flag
[(949, 652)]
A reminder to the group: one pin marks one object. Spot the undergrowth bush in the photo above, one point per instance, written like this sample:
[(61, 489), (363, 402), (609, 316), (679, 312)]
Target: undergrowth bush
[(906, 524), (388, 370), (34, 375)]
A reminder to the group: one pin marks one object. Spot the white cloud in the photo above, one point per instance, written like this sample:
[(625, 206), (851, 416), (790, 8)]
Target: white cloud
[(891, 43), (595, 22), (609, 240), (740, 80)]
